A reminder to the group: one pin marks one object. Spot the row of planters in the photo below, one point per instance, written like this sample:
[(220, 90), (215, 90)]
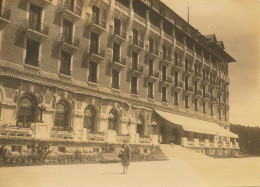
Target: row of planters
[(42, 154)]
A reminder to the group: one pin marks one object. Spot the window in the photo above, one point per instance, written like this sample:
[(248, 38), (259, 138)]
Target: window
[(117, 26), (186, 64), (151, 44), (134, 60), (67, 31), (196, 104), (164, 70), (186, 101), (196, 86), (219, 114), (176, 98), (211, 110), (94, 43), (95, 15), (116, 52), (176, 78), (196, 69), (32, 53), (26, 111), (61, 116), (89, 119), (92, 72), (176, 58), (225, 113), (65, 63), (164, 52), (140, 125), (35, 17), (204, 107), (1, 99), (204, 90), (204, 74), (135, 36), (134, 85), (112, 120), (150, 90), (186, 83), (115, 79), (164, 94), (150, 68)]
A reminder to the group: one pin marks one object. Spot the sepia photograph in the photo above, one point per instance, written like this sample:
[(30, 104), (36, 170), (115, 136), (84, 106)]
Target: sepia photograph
[(132, 93)]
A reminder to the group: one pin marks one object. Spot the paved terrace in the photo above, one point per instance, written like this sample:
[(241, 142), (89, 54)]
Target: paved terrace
[(176, 172)]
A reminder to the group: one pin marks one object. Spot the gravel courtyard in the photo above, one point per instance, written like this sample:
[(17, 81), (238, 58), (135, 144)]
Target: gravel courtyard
[(177, 172)]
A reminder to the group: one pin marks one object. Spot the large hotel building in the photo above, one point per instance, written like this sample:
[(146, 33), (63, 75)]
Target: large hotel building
[(111, 70)]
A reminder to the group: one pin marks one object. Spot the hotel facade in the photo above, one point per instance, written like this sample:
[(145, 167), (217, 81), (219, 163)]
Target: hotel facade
[(107, 71)]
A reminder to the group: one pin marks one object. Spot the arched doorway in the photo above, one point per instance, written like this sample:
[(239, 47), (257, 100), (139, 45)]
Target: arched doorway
[(61, 116), (112, 120), (26, 111), (89, 119), (140, 125)]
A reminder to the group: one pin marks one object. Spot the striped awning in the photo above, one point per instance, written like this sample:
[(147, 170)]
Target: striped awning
[(196, 125)]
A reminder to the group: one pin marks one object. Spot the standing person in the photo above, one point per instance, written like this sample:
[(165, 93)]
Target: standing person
[(125, 157)]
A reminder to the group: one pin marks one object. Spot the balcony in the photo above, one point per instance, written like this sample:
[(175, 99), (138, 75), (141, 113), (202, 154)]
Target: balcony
[(167, 81), (198, 75), (97, 25), (4, 17), (37, 32), (189, 89), (69, 44), (155, 29), (199, 57), (139, 19), (15, 131), (70, 12), (137, 45), (189, 71), (153, 76), (153, 53), (136, 70), (119, 36), (97, 137), (122, 7), (178, 85), (168, 37), (222, 104), (179, 44), (198, 93), (166, 60), (95, 53), (177, 66), (206, 96), (190, 51), (213, 99), (205, 79), (61, 134), (118, 63)]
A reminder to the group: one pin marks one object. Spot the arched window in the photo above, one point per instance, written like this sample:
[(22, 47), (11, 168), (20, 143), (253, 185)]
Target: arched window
[(89, 119), (140, 125), (61, 116), (112, 120), (26, 111)]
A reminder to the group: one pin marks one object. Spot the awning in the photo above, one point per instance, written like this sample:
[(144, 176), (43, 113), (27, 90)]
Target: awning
[(196, 125)]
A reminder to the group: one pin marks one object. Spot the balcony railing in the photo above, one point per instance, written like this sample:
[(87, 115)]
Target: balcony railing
[(206, 79), (66, 5), (155, 28), (93, 49), (139, 43), (124, 8), (189, 50), (189, 70), (178, 64), (206, 95), (179, 44), (169, 37), (167, 79), (153, 74), (199, 56), (167, 58), (137, 67), (189, 88), (41, 28), (197, 74), (5, 13), (75, 42), (154, 51), (101, 23), (213, 99), (119, 61), (178, 84), (198, 92), (118, 32), (141, 19)]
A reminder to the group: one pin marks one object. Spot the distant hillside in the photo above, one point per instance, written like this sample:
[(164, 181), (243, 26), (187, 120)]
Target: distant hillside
[(249, 138)]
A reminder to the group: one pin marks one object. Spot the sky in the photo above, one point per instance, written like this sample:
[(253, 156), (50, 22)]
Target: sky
[(237, 23)]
